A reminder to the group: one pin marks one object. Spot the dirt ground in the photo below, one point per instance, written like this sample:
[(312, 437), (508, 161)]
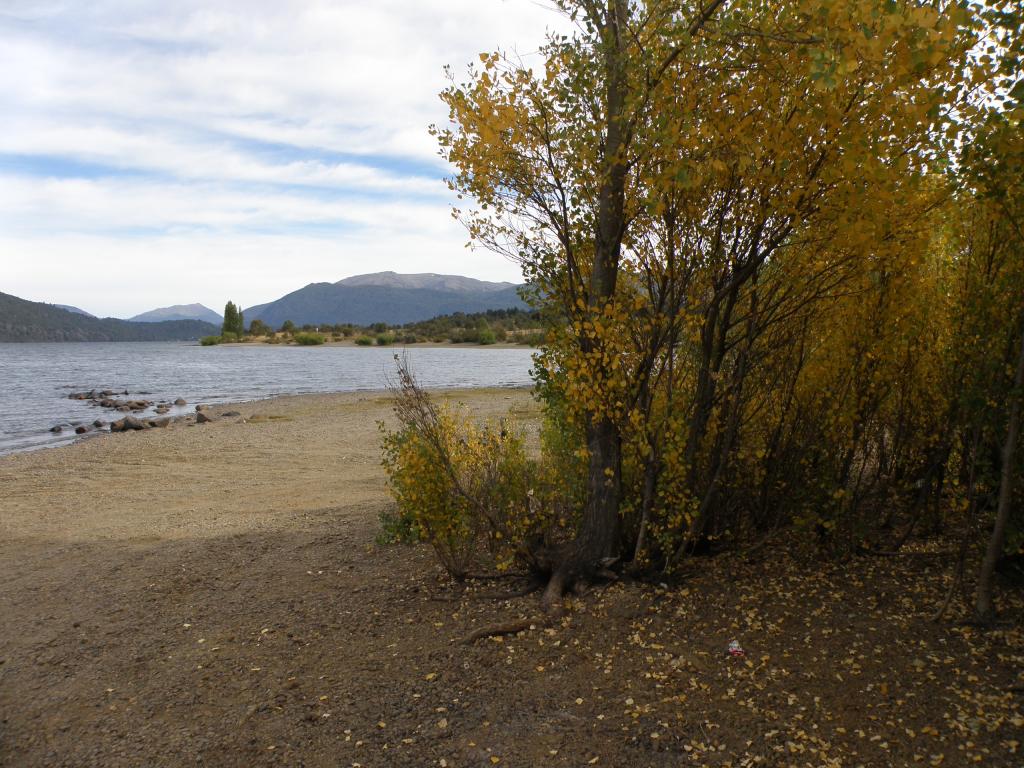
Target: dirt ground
[(213, 595)]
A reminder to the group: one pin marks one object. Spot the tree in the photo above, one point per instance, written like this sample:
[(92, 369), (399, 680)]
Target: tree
[(287, 326), (234, 323), (258, 328), (681, 184)]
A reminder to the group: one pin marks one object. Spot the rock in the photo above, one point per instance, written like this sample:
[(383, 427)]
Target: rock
[(57, 429), (161, 423), (200, 408), (202, 418), (181, 401), (82, 430), (229, 414), (127, 423), (99, 423)]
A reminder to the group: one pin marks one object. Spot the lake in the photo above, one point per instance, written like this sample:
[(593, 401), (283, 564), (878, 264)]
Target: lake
[(36, 379)]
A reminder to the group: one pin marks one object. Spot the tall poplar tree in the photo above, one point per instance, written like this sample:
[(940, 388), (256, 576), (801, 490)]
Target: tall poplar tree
[(667, 156)]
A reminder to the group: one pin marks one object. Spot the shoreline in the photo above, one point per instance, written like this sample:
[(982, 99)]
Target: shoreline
[(285, 445), (188, 416), (396, 345)]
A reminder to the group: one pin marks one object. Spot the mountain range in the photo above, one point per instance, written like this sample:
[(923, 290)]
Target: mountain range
[(386, 297), (383, 297), (22, 320)]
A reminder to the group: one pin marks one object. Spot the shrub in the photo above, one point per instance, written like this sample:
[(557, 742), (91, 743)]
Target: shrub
[(385, 340), (397, 528), (486, 336), (364, 341), (209, 341), (458, 483), (309, 339)]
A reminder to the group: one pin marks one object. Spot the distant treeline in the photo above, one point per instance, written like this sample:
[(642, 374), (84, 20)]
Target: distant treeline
[(494, 326)]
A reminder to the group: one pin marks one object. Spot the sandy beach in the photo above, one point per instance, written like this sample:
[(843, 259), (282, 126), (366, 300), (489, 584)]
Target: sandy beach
[(213, 595), (133, 566), (280, 458)]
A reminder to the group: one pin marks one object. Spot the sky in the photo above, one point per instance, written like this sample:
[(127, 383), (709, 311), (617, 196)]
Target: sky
[(158, 153)]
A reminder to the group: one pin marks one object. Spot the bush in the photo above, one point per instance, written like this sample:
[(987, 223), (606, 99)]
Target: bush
[(364, 341), (486, 336), (459, 484), (209, 341), (397, 528), (385, 340), (309, 339)]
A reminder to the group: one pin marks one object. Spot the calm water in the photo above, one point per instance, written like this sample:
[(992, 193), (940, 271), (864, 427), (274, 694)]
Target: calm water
[(35, 379)]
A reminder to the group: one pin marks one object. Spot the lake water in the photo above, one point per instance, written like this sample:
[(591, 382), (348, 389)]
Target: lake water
[(35, 379)]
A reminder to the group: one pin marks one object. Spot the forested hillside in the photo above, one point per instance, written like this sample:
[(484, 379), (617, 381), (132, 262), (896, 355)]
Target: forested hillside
[(22, 320)]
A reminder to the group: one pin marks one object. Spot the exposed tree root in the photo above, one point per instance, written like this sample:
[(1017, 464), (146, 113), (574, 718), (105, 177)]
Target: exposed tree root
[(508, 628), (551, 600), (495, 576)]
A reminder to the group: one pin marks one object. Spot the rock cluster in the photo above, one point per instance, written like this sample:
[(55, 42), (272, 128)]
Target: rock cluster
[(108, 399)]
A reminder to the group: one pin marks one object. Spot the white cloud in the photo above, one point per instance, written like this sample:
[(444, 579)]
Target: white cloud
[(198, 144)]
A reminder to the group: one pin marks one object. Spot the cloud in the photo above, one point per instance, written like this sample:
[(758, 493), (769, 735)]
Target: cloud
[(276, 143)]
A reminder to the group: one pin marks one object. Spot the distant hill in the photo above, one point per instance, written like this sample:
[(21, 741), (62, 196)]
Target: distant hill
[(386, 297), (428, 280), (22, 320), (76, 310), (179, 312)]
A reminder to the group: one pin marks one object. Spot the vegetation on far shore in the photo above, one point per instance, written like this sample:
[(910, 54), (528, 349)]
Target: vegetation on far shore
[(496, 326)]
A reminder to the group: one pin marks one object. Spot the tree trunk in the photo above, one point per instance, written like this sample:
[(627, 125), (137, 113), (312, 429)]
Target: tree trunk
[(597, 538), (983, 607)]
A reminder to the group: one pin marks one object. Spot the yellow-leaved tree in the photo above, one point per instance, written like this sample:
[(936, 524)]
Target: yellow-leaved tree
[(685, 185)]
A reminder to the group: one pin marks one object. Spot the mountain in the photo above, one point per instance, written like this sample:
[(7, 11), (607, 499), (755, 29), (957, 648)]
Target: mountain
[(179, 312), (386, 297), (22, 320), (76, 310), (427, 280)]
